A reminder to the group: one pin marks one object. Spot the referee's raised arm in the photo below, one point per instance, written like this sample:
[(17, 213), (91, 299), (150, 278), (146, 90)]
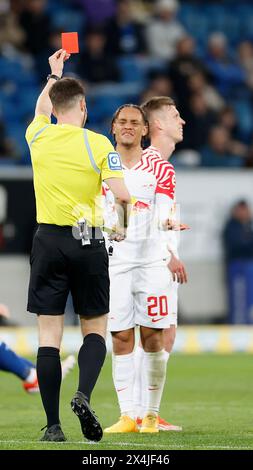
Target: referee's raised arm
[(68, 253), (56, 62)]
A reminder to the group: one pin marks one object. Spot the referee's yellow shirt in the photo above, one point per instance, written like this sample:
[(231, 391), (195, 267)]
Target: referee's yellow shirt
[(69, 164)]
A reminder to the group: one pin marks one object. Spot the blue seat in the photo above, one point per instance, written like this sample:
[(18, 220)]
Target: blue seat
[(131, 70), (194, 20), (7, 161), (216, 15), (232, 27), (16, 132), (68, 20), (247, 23), (27, 101)]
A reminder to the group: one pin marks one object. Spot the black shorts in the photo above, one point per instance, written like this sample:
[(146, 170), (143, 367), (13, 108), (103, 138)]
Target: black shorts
[(59, 265)]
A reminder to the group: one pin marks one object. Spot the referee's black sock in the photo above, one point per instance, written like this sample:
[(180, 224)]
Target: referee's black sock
[(90, 359), (49, 377)]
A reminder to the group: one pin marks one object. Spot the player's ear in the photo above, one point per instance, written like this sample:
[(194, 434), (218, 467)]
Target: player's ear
[(113, 128), (145, 131), (158, 124)]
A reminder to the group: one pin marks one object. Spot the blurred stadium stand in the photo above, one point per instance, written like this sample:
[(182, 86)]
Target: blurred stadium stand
[(228, 75), (20, 79)]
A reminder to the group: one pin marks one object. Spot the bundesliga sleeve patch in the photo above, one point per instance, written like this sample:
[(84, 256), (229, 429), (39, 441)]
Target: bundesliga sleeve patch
[(114, 161)]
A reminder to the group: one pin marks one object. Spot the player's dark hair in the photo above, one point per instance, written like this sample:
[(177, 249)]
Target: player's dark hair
[(128, 105), (65, 92)]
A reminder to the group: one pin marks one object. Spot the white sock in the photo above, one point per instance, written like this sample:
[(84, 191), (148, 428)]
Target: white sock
[(155, 371), (32, 376), (138, 382), (123, 378)]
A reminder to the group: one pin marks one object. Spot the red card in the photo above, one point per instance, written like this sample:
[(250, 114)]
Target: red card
[(70, 42)]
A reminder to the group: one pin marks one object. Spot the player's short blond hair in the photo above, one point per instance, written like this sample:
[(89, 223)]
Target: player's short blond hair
[(156, 103)]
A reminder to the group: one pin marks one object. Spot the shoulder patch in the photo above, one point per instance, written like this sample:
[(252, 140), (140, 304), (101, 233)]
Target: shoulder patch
[(114, 161)]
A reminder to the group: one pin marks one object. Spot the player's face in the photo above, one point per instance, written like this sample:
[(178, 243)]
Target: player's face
[(172, 123), (129, 127)]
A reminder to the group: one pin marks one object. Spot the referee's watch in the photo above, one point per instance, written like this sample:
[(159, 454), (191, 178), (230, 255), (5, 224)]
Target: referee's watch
[(55, 77)]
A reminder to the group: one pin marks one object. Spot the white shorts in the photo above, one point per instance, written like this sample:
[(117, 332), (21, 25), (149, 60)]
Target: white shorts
[(145, 296)]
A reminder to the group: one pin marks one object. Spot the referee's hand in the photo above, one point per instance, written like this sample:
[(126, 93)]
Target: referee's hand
[(56, 61)]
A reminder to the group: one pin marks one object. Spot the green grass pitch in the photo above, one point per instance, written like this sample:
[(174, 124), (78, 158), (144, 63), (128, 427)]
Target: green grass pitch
[(209, 395)]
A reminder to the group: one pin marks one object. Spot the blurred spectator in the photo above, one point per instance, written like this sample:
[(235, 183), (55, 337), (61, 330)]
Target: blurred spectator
[(238, 233), (36, 24), (219, 150), (164, 31), (97, 11), (95, 66), (245, 57), (143, 10), (182, 67), (227, 74), (54, 43), (249, 157), (197, 83), (159, 85), (227, 118), (11, 34), (3, 142), (124, 34), (200, 119), (7, 148)]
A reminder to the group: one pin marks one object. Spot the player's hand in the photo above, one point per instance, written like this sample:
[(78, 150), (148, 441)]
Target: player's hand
[(4, 311), (117, 234), (183, 227), (177, 270), (56, 61), (174, 225)]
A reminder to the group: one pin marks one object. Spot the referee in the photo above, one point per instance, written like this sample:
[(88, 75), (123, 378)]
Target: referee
[(68, 252)]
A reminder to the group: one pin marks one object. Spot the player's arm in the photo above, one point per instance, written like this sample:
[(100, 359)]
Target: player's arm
[(164, 200), (56, 62), (122, 204), (177, 269), (4, 311), (175, 265), (164, 193)]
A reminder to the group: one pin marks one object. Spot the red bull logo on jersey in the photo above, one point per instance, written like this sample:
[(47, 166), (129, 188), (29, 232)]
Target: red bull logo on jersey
[(141, 206)]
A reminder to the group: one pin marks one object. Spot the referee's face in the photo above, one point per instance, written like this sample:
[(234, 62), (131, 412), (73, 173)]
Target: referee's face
[(129, 127)]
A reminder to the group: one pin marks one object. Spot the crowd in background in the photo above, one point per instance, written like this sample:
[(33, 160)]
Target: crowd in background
[(201, 55)]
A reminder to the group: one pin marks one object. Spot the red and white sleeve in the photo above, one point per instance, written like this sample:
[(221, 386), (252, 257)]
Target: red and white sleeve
[(165, 190)]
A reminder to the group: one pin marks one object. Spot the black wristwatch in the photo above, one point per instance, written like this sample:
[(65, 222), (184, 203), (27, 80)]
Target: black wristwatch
[(55, 77)]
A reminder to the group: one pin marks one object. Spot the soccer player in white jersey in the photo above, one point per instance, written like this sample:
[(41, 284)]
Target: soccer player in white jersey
[(140, 280), (165, 130)]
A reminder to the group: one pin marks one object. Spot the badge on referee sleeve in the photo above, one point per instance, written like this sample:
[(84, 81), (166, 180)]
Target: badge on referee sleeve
[(114, 161)]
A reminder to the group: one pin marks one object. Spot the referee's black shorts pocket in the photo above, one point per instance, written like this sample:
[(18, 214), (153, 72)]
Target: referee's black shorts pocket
[(89, 280), (97, 261)]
